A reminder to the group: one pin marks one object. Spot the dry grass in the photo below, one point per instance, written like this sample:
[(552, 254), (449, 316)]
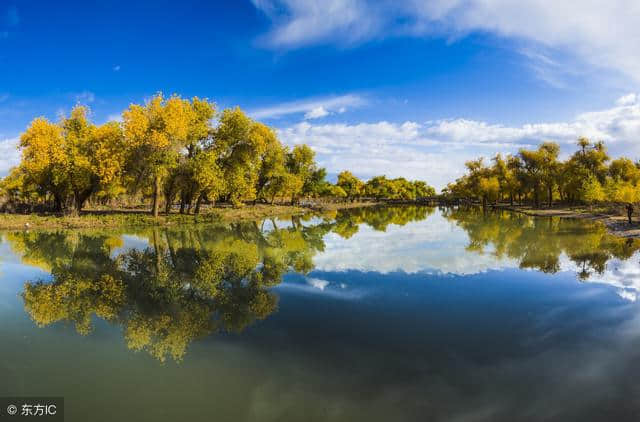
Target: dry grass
[(334, 206), (134, 218)]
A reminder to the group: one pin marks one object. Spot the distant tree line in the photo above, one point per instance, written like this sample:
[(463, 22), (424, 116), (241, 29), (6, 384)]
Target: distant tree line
[(169, 151), (538, 176), (379, 187)]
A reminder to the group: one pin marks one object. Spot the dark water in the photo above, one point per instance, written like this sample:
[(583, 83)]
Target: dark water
[(396, 314)]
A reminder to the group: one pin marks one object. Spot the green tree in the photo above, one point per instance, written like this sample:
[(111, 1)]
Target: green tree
[(273, 169), (301, 164), (379, 187), (239, 143), (592, 190), (351, 185), (540, 167)]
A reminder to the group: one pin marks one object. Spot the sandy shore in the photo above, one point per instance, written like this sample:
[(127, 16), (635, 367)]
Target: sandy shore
[(616, 224)]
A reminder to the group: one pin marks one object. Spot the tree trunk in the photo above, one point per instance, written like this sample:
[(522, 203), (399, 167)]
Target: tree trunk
[(57, 202), (156, 248), (189, 201), (156, 195), (196, 211), (78, 202), (550, 191)]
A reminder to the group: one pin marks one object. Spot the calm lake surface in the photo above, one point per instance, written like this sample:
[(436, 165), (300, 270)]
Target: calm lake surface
[(393, 314)]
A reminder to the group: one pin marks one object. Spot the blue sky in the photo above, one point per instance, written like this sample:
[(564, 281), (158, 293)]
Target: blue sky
[(406, 88)]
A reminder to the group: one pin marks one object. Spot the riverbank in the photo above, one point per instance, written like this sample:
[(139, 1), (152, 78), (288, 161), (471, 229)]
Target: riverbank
[(133, 218), (616, 222)]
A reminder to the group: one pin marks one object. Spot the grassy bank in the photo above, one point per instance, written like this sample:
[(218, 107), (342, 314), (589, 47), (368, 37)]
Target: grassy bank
[(612, 216), (135, 218)]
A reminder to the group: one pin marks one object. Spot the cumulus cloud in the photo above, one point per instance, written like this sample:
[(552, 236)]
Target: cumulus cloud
[(9, 155), (602, 34), (311, 108), (436, 150), (395, 149), (316, 113)]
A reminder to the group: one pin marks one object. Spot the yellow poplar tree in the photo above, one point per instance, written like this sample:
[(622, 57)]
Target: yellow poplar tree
[(44, 160), (157, 131), (78, 137), (109, 155)]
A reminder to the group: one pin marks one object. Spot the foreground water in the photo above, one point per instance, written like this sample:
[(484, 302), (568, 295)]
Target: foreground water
[(391, 314)]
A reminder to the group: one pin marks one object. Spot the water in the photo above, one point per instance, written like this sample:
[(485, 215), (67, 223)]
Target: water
[(395, 314)]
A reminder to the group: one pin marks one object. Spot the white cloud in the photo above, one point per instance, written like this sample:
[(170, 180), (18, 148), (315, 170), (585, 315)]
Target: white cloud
[(628, 100), (378, 148), (435, 151), (9, 155), (317, 283), (85, 97), (305, 22), (604, 34), (316, 113), (592, 125), (311, 108)]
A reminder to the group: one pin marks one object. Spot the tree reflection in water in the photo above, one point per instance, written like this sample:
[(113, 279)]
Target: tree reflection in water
[(189, 283), (538, 243), (186, 285)]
